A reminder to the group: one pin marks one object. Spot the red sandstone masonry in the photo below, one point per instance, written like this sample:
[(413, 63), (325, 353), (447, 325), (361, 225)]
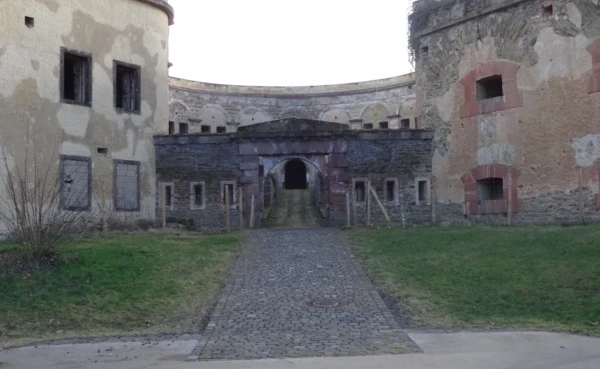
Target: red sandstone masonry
[(512, 96), (473, 206), (594, 82)]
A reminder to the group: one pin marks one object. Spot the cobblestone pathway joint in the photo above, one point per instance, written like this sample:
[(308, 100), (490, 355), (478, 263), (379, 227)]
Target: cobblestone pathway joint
[(267, 309)]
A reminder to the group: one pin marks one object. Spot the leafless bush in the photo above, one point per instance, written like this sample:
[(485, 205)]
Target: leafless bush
[(40, 209)]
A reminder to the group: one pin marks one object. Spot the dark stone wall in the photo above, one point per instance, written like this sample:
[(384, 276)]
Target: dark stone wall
[(401, 154)]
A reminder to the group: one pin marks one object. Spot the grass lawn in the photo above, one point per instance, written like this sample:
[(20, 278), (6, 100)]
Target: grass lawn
[(119, 285), (533, 278)]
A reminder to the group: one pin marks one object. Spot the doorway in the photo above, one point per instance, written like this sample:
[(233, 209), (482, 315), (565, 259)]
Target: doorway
[(295, 175)]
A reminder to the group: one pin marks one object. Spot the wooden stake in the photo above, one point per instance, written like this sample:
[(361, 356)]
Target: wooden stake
[(104, 216), (348, 208), (387, 217), (227, 210), (252, 212), (581, 207), (368, 199), (354, 207), (433, 202), (510, 204), (163, 204), (241, 207)]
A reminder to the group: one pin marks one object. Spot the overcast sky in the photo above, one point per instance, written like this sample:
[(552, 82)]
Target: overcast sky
[(289, 42)]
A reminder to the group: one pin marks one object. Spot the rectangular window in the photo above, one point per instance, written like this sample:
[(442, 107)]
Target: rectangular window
[(368, 126), (197, 195), (221, 129), (76, 181), (183, 128), (127, 86), (405, 123), (422, 191), (383, 125), (490, 87), (205, 129), (168, 196), (390, 193), (231, 186), (359, 191), (171, 128), (490, 189), (127, 185), (76, 77)]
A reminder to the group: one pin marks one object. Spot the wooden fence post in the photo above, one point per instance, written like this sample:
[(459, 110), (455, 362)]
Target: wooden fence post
[(252, 212), (354, 216), (227, 210), (348, 224), (241, 207), (163, 203), (510, 204), (581, 207), (368, 199)]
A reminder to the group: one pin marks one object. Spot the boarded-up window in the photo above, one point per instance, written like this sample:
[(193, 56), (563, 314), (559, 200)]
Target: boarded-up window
[(127, 87), (76, 182), (127, 190)]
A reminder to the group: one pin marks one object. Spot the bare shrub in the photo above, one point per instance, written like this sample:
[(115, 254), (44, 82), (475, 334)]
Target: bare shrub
[(42, 210)]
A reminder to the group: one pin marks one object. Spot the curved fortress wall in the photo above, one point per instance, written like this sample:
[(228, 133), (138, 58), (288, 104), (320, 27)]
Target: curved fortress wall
[(65, 69), (211, 108), (512, 90)]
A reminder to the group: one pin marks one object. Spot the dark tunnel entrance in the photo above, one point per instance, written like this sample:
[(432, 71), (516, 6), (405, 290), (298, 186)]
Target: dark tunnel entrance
[(295, 175)]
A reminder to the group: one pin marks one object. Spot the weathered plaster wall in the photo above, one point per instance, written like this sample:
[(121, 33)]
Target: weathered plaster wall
[(547, 125), (212, 105), (135, 32)]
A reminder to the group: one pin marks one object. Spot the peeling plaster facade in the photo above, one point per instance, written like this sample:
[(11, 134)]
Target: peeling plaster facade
[(35, 34), (541, 137)]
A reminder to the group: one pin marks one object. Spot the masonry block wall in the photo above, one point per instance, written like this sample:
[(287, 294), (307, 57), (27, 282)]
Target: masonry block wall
[(511, 89), (340, 155)]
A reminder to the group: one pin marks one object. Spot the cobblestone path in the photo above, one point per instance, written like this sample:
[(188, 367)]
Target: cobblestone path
[(299, 293), (295, 209)]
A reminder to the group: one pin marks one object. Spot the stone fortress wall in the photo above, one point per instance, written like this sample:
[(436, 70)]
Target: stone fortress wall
[(211, 108), (512, 90), (63, 68)]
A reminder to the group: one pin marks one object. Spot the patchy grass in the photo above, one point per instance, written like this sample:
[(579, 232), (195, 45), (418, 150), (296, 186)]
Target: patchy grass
[(120, 285), (529, 278)]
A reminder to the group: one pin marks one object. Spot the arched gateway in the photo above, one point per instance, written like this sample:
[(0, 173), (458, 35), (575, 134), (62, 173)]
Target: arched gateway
[(201, 167)]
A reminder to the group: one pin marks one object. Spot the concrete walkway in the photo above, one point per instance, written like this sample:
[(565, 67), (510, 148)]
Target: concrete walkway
[(448, 351)]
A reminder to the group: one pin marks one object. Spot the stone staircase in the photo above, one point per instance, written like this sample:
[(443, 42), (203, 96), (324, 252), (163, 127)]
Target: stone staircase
[(294, 209)]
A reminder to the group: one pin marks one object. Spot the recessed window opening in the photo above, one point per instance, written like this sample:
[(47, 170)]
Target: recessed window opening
[(102, 151), (383, 125), (76, 77), (127, 87), (416, 122), (231, 193), (359, 191), (422, 191), (424, 49), (29, 22), (490, 87), (171, 128), (221, 129), (168, 196), (405, 123), (198, 195), (390, 190), (490, 189), (368, 126), (205, 129), (548, 10), (183, 128)]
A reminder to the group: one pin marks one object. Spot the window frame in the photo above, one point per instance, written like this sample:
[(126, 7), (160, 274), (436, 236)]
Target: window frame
[(222, 198), (354, 193), (161, 188), (88, 160), (427, 201), (138, 164), (396, 199), (193, 205), (88, 76), (138, 95)]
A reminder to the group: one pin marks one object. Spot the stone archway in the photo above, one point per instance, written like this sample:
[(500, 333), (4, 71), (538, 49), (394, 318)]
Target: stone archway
[(295, 175)]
